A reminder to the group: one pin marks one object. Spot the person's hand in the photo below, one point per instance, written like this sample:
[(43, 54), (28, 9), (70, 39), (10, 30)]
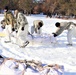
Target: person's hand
[(3, 27), (38, 28), (16, 31), (22, 28), (54, 34), (13, 29)]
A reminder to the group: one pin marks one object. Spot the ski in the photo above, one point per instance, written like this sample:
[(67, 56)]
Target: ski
[(21, 46)]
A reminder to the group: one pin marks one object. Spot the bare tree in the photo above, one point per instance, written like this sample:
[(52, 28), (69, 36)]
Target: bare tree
[(26, 5)]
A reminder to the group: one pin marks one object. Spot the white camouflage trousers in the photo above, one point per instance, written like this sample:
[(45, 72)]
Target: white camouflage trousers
[(8, 31), (36, 30), (71, 33), (22, 35)]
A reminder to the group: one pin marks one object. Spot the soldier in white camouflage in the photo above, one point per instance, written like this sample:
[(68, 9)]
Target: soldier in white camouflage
[(9, 21), (70, 26), (37, 25), (21, 28)]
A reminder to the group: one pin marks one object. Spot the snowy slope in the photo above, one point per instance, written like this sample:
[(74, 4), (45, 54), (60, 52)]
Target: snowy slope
[(40, 47)]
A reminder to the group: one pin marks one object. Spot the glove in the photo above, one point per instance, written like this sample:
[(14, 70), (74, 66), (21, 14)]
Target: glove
[(22, 28), (13, 29), (3, 27), (40, 24), (16, 31), (54, 34), (38, 28)]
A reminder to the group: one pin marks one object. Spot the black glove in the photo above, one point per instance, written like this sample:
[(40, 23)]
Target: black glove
[(40, 24), (22, 28), (54, 34), (3, 27), (16, 31), (38, 28), (13, 29)]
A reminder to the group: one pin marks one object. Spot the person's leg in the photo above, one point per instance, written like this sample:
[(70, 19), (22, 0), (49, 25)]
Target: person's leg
[(26, 42), (53, 39), (70, 34), (8, 31), (36, 30), (39, 31), (32, 29), (22, 36), (18, 37)]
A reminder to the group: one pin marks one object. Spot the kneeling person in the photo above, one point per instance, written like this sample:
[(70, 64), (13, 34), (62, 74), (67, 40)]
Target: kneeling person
[(37, 25), (70, 27)]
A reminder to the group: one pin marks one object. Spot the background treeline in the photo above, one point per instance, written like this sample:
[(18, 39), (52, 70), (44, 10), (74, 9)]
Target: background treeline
[(62, 7)]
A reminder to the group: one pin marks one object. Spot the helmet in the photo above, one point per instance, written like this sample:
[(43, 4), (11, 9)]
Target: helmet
[(6, 8), (57, 24)]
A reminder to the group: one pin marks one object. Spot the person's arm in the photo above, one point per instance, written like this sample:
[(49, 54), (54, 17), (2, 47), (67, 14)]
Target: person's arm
[(11, 20), (5, 18), (23, 20), (58, 31)]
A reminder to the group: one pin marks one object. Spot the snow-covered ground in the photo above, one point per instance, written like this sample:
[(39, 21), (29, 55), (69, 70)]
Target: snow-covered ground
[(40, 47)]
